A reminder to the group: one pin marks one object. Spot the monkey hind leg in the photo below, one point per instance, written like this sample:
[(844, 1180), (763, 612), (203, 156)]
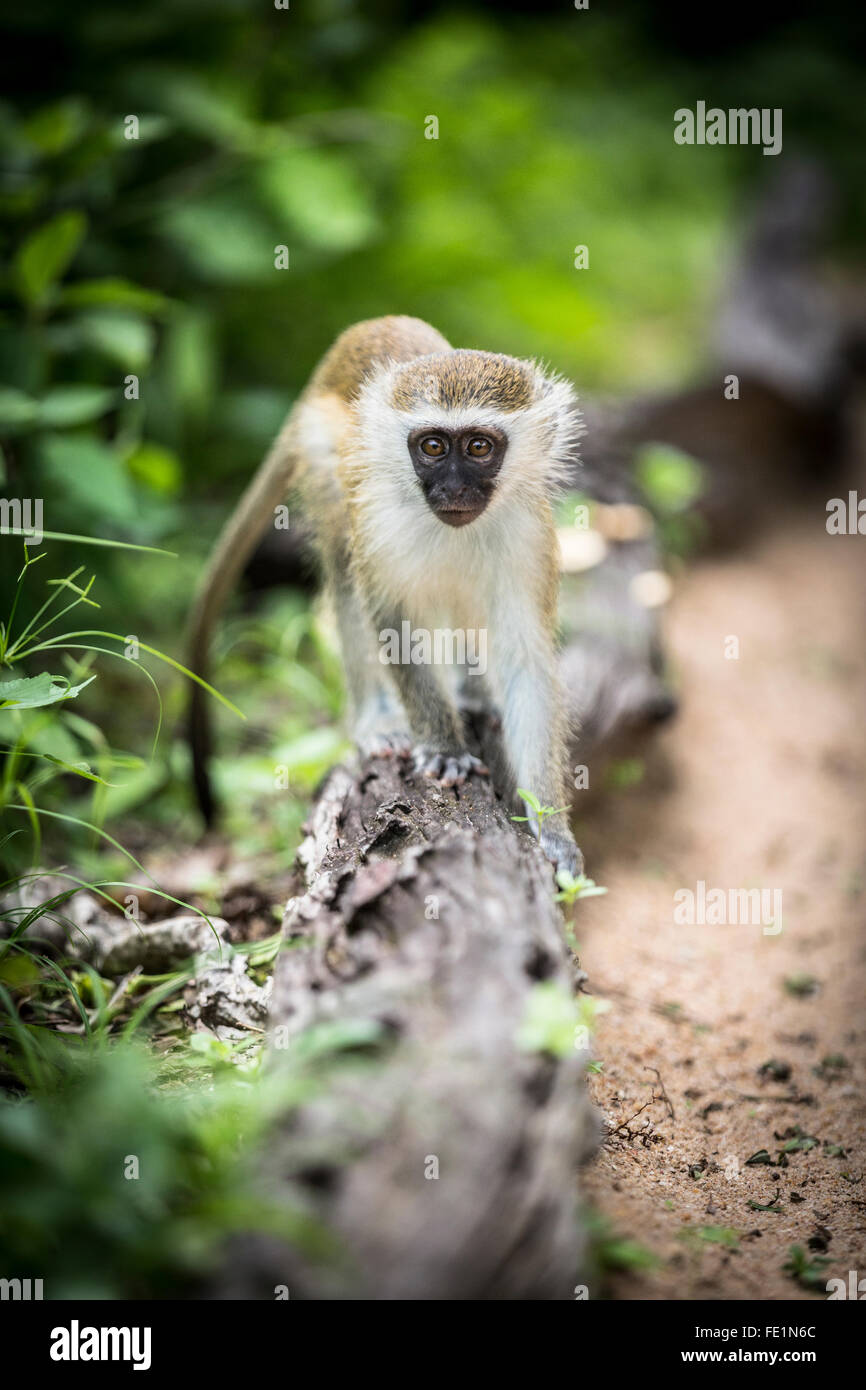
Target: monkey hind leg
[(473, 694)]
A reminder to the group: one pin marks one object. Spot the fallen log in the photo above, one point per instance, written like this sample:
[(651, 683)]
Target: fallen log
[(429, 914)]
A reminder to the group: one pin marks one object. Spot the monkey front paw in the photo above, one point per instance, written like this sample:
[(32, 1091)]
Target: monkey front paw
[(448, 769), (562, 851), (394, 743)]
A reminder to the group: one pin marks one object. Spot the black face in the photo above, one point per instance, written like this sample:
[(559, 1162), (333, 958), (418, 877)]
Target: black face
[(457, 471)]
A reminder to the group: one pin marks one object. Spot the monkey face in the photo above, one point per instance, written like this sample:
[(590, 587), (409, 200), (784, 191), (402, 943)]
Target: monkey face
[(457, 469)]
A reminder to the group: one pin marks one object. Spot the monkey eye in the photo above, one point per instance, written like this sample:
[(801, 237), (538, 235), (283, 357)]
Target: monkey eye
[(433, 445), (479, 447)]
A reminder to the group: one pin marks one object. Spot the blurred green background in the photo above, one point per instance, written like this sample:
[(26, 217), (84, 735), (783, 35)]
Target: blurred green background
[(260, 127)]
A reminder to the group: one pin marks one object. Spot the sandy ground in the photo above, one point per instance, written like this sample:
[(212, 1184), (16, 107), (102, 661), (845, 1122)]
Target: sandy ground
[(759, 783)]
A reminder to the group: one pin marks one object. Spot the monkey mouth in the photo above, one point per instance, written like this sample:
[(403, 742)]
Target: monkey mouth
[(459, 516)]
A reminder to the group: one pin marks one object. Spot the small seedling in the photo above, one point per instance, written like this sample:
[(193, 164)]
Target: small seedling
[(797, 1141), (541, 812), (802, 986), (834, 1151), (610, 1251), (571, 888), (831, 1066), (806, 1271)]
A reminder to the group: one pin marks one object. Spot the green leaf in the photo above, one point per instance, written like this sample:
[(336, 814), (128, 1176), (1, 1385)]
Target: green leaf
[(23, 356), (43, 258), (254, 414), (139, 787), (530, 798), (75, 405), (40, 736), (210, 1047), (573, 888), (157, 468), (713, 1235), (79, 769), (309, 755), (802, 985), (122, 337), (17, 410), (800, 1142), (223, 239), (327, 1037), (92, 540), (210, 107), (671, 479), (190, 360), (32, 692), (52, 129), (550, 1020), (86, 472), (319, 195), (808, 1272), (113, 293), (626, 1254)]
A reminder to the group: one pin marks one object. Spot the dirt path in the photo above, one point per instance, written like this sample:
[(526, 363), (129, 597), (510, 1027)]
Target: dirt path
[(760, 783)]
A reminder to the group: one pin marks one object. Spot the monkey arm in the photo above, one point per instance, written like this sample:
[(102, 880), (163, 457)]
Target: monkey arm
[(440, 745)]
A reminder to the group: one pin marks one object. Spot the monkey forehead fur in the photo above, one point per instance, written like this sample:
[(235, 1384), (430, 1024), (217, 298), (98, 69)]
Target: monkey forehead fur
[(464, 378)]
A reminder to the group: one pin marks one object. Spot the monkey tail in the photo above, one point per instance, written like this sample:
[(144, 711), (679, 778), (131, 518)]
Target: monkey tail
[(233, 548)]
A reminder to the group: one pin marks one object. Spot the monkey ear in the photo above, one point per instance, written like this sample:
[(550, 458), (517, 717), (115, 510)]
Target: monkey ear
[(559, 411)]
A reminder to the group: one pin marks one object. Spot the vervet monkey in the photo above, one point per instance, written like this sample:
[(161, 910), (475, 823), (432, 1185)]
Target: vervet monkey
[(427, 473)]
